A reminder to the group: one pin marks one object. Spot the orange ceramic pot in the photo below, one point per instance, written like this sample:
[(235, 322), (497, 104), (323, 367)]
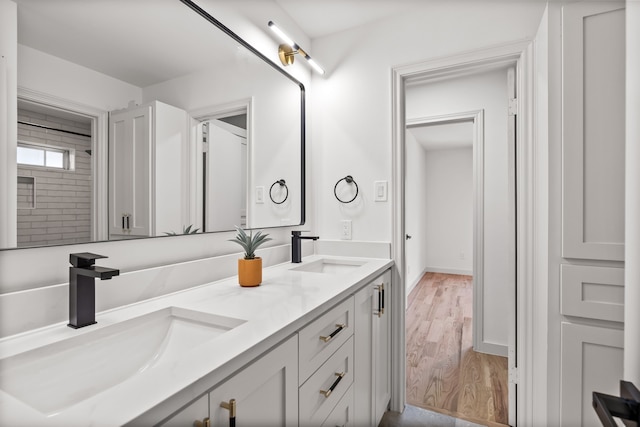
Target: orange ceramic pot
[(250, 271)]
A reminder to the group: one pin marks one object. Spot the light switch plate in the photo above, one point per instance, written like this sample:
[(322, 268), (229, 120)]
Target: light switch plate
[(380, 191), (259, 194), (345, 230)]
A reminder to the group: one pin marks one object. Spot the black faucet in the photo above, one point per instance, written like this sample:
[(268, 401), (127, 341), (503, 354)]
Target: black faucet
[(82, 287), (296, 248)]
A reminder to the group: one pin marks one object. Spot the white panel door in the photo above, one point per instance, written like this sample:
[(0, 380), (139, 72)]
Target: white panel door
[(226, 177), (593, 79)]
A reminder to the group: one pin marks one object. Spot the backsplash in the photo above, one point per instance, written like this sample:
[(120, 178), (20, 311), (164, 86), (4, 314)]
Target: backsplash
[(24, 310)]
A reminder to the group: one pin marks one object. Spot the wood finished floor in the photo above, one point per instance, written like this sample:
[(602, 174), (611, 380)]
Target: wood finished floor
[(444, 374)]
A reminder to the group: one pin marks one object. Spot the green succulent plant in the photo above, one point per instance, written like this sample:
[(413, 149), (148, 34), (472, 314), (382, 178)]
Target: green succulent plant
[(185, 230), (249, 242)]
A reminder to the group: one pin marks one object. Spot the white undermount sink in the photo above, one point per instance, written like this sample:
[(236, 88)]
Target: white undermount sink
[(329, 266), (59, 375)]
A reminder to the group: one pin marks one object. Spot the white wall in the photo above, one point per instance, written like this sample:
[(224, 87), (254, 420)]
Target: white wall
[(350, 120), (632, 213), (416, 206), (8, 122), (439, 211), (487, 91), (41, 72), (449, 215)]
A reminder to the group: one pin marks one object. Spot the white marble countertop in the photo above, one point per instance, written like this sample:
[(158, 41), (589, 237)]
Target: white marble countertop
[(284, 302)]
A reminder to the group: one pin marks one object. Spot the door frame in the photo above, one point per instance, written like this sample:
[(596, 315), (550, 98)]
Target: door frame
[(196, 175), (99, 158), (530, 222), (477, 118)]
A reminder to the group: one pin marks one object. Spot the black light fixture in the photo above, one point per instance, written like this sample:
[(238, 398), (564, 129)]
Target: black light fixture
[(287, 51)]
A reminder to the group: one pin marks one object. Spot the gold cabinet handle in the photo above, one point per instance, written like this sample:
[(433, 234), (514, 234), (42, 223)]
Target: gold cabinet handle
[(204, 423), (231, 407), (380, 289), (327, 393), (339, 326)]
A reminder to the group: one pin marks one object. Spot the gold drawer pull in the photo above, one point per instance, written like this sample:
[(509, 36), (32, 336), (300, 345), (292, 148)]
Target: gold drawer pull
[(327, 393), (339, 326)]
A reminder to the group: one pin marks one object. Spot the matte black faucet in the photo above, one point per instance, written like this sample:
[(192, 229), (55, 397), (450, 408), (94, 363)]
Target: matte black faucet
[(296, 247), (82, 287)]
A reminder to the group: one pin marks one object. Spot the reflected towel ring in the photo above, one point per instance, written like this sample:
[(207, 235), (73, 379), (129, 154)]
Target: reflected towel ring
[(282, 184), (349, 180)]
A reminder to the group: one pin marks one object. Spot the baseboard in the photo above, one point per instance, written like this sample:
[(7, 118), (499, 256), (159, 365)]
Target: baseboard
[(415, 282), (491, 348), (448, 271)]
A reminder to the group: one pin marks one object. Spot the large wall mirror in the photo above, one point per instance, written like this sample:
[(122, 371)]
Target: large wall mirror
[(149, 118)]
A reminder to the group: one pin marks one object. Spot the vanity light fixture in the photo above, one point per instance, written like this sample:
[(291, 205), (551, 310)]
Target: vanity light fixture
[(289, 48)]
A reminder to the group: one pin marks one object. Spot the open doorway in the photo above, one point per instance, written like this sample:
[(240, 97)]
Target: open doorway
[(460, 248), (59, 164)]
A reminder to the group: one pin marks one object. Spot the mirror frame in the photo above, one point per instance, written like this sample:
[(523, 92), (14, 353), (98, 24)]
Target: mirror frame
[(193, 6), (197, 9)]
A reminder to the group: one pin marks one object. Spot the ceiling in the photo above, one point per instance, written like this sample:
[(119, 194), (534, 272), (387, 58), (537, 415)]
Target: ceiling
[(445, 136), (318, 18), (140, 42)]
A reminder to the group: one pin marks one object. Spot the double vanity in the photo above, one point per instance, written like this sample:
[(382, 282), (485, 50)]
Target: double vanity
[(310, 346)]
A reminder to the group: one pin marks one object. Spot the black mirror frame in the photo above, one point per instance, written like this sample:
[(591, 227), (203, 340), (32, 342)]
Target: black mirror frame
[(227, 31)]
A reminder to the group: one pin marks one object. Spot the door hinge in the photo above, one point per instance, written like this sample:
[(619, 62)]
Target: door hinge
[(514, 375), (513, 106)]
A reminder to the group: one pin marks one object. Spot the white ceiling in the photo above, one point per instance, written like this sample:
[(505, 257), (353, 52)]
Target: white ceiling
[(319, 18), (446, 136), (141, 42)]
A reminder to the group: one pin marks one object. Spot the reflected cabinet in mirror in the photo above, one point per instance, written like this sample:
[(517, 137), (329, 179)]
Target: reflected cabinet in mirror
[(149, 118)]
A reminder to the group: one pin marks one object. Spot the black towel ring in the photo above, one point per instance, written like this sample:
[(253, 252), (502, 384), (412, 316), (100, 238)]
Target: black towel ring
[(282, 184), (349, 180)]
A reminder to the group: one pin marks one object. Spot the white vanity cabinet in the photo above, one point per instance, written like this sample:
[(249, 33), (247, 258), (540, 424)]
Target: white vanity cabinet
[(335, 371), (264, 393), (147, 170), (326, 363), (372, 383)]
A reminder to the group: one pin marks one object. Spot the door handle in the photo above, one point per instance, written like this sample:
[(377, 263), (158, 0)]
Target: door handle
[(380, 289), (407, 236)]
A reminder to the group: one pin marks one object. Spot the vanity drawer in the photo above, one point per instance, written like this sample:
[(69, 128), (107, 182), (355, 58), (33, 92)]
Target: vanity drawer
[(342, 414), (322, 337), (325, 388)]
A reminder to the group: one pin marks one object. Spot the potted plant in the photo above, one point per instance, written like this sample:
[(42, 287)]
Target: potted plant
[(249, 267)]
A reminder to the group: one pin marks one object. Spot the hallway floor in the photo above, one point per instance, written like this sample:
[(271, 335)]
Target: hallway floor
[(444, 374)]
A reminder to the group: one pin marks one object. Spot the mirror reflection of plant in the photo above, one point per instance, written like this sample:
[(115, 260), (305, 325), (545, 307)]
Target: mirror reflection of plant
[(185, 230), (249, 242)]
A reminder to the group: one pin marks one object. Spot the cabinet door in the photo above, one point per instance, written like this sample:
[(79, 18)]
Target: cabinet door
[(591, 361), (593, 143), (197, 411), (130, 188), (363, 368), (381, 346), (372, 382), (265, 392)]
